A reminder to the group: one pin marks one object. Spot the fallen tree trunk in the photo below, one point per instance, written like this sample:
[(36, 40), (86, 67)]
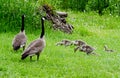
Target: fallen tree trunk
[(58, 19), (62, 14)]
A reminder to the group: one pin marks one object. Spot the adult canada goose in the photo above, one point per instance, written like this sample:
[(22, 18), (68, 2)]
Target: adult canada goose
[(35, 47), (20, 39)]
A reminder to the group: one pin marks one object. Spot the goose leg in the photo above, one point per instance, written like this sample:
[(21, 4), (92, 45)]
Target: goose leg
[(23, 48), (38, 56), (30, 58)]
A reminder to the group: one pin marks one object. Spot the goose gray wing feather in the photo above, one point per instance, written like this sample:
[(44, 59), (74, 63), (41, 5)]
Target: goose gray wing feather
[(35, 47)]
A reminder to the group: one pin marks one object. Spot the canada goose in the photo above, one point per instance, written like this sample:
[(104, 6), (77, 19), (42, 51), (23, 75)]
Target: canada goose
[(65, 42), (20, 39), (106, 49), (35, 47)]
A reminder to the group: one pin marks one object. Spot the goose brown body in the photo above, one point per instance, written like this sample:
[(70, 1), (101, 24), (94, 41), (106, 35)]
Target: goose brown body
[(20, 39), (35, 47)]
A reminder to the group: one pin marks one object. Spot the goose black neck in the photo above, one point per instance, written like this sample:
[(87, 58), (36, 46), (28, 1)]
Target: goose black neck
[(22, 28), (43, 32)]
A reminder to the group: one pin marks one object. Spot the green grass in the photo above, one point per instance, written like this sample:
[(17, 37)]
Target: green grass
[(62, 62)]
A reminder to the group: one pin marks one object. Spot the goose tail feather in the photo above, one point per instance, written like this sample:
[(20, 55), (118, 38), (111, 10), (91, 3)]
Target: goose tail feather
[(24, 56)]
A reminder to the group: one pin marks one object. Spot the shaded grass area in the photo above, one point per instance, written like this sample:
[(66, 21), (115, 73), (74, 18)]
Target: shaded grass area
[(62, 62)]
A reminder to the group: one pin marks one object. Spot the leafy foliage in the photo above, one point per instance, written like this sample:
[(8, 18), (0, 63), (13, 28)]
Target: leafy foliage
[(11, 10), (74, 4)]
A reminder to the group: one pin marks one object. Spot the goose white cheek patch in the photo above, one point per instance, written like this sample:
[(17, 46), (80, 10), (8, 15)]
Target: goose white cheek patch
[(22, 45)]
